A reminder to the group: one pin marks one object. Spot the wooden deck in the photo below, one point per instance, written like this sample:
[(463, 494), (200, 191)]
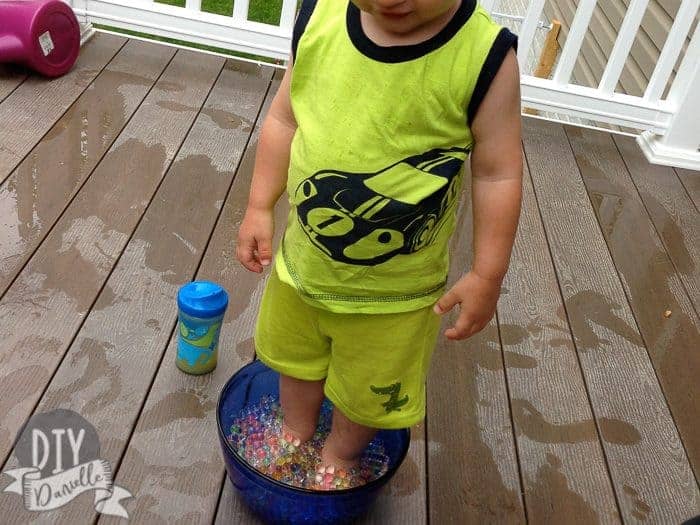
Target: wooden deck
[(128, 177)]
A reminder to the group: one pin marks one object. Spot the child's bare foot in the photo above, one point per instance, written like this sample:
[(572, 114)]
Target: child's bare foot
[(301, 405), (290, 439), (335, 472), (332, 478), (329, 458), (289, 443)]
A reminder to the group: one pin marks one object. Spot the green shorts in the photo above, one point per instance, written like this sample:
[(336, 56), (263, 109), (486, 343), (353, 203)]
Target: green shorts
[(375, 365)]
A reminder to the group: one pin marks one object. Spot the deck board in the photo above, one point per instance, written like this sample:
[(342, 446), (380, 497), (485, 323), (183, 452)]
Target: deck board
[(649, 468), (37, 192), (404, 499), (106, 377), (181, 482), (650, 280), (232, 510), (565, 476), (50, 299), (691, 182), (11, 77), (472, 466), (673, 213), (37, 104)]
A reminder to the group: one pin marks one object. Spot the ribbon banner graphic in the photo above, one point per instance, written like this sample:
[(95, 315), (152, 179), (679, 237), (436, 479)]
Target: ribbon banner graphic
[(52, 492)]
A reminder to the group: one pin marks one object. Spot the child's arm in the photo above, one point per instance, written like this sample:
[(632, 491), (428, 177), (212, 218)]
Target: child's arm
[(496, 164), (254, 248)]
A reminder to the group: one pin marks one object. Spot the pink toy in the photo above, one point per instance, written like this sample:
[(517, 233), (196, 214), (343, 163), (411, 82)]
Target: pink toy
[(41, 34)]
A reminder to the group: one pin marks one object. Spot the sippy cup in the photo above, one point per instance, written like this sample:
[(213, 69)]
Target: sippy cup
[(201, 307)]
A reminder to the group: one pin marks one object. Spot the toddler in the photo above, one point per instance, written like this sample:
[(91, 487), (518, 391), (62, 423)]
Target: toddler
[(382, 103)]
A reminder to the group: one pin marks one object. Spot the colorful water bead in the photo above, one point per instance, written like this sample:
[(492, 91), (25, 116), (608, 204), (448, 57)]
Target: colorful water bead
[(257, 437)]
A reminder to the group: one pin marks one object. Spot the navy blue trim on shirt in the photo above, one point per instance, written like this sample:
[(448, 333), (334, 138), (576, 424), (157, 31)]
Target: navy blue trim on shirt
[(505, 40), (396, 54), (305, 12)]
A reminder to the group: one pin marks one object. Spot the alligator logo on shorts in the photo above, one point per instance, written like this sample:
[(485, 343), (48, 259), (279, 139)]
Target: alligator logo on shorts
[(368, 218), (393, 403)]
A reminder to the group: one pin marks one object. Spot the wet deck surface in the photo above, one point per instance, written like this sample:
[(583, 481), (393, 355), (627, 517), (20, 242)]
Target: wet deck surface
[(126, 178)]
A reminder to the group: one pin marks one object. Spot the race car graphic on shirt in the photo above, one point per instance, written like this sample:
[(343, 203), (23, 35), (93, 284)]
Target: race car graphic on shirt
[(368, 218)]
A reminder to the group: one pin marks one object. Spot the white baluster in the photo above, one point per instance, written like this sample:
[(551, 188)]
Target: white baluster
[(193, 5), (527, 31), (672, 48), (574, 39), (240, 10), (623, 44), (289, 11)]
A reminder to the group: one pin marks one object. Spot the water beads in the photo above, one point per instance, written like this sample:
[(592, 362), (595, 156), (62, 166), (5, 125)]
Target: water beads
[(256, 436)]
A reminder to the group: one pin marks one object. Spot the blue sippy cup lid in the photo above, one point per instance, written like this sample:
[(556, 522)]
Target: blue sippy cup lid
[(202, 299)]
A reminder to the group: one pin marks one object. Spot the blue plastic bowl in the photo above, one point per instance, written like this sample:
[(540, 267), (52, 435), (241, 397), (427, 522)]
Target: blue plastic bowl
[(275, 502)]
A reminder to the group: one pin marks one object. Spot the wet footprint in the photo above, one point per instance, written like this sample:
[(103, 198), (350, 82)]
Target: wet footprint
[(641, 508), (532, 423), (618, 432)]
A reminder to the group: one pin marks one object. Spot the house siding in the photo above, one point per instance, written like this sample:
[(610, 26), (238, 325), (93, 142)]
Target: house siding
[(600, 39)]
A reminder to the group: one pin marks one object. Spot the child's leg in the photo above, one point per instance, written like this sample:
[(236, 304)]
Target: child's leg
[(376, 376), (287, 339), (346, 442), (301, 404)]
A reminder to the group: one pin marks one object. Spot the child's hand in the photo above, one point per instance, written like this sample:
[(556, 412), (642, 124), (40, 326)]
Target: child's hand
[(477, 298), (254, 248)]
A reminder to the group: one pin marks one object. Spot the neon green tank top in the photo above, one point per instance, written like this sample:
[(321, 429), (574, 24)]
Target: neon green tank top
[(377, 159)]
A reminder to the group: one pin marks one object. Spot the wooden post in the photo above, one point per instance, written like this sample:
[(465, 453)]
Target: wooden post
[(547, 57)]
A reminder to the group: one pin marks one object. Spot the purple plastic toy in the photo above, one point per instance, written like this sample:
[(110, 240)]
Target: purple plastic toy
[(43, 35)]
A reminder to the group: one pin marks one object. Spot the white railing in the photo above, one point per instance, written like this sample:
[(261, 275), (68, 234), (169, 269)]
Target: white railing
[(191, 24), (669, 127)]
